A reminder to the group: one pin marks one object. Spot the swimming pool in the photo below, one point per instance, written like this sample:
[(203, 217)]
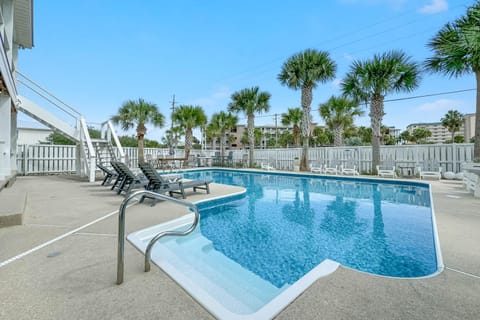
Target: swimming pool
[(255, 252)]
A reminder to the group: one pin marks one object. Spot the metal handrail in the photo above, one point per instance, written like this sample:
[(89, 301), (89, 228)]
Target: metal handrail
[(109, 125), (121, 229), (72, 109)]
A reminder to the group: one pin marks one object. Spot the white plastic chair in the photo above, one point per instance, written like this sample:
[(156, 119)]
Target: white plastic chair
[(266, 166), (332, 169), (319, 169), (349, 171), (386, 172)]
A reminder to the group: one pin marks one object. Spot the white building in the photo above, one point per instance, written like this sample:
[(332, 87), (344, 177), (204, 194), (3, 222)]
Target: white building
[(33, 135), (268, 132), (16, 30), (440, 134), (469, 126)]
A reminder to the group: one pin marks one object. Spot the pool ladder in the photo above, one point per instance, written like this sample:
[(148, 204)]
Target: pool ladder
[(148, 253)]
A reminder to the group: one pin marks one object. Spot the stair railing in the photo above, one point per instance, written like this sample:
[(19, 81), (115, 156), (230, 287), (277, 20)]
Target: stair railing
[(121, 228), (48, 96), (108, 133), (87, 163), (90, 158)]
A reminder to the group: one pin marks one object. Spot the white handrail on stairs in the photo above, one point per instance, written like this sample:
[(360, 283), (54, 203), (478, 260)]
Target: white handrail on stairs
[(91, 158), (108, 132), (47, 95), (77, 131)]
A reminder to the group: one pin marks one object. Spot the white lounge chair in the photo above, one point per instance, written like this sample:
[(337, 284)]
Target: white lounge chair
[(430, 169), (266, 166), (318, 169), (332, 169), (349, 171), (430, 174), (384, 172)]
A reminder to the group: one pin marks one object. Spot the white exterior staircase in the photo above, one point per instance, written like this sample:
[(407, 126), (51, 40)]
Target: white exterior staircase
[(90, 151)]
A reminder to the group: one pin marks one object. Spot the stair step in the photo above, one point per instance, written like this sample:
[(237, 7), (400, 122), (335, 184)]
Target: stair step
[(227, 280)]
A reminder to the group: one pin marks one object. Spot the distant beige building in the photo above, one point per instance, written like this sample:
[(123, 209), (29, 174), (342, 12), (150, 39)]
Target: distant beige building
[(237, 134), (440, 134), (268, 132), (469, 126)]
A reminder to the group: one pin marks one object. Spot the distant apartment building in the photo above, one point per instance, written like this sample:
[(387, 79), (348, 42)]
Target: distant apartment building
[(440, 134), (469, 126), (268, 132), (394, 132)]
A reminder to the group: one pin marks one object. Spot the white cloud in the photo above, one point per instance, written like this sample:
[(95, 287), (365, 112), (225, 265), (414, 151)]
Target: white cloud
[(435, 6), (440, 105)]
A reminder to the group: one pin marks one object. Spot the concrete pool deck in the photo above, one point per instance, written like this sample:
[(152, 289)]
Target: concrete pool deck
[(73, 277)]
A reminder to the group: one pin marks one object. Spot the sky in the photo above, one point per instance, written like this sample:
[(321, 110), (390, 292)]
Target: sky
[(95, 55)]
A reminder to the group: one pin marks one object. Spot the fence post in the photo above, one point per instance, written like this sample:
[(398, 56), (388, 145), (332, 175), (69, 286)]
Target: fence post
[(24, 160), (454, 157)]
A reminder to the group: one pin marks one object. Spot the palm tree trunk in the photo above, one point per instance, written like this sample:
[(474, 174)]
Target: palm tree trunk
[(306, 102), (188, 144), (476, 147), (140, 137), (376, 116), (338, 136), (296, 136), (222, 146), (214, 144), (251, 140)]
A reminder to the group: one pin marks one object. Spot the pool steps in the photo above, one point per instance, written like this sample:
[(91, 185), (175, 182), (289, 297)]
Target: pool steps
[(239, 289)]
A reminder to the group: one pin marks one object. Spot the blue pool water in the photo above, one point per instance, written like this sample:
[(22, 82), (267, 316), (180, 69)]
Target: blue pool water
[(253, 253), (287, 225)]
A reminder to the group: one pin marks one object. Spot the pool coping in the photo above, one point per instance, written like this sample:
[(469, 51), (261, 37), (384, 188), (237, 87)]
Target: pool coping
[(202, 296), (282, 300), (80, 282)]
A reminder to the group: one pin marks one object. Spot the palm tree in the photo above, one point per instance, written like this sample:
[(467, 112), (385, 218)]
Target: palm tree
[(222, 122), (189, 117), (172, 138), (293, 117), (303, 71), (452, 120), (257, 137), (321, 137), (456, 51), (420, 135), (338, 114), (371, 80), (212, 133), (137, 113), (250, 101)]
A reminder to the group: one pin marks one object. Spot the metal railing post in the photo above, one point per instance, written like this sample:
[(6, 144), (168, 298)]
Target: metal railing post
[(121, 229)]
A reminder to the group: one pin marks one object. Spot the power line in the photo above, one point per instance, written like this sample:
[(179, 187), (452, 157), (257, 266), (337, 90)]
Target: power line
[(266, 66), (392, 100), (430, 95)]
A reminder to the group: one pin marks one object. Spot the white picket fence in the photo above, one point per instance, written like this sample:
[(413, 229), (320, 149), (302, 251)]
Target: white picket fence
[(54, 159)]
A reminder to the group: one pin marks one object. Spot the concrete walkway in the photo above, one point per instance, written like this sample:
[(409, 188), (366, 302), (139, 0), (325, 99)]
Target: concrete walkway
[(74, 276)]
